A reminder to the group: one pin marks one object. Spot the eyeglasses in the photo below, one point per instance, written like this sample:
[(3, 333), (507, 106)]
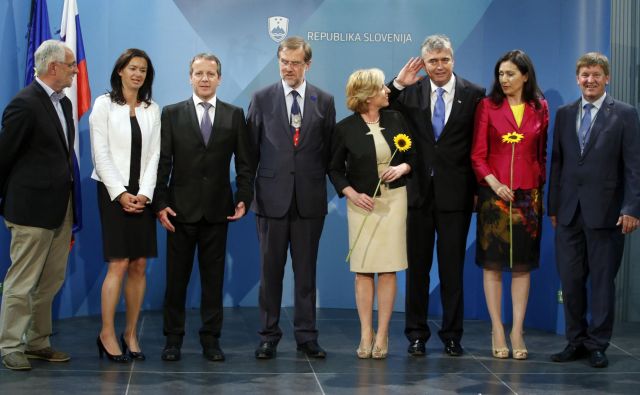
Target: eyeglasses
[(435, 62), (294, 63), (70, 65)]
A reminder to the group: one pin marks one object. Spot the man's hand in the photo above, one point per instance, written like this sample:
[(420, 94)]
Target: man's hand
[(628, 223), (240, 212), (554, 220), (409, 73), (163, 217)]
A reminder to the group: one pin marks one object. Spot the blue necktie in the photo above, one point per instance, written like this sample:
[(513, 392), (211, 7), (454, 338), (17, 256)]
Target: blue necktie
[(205, 124), (437, 121), (585, 126)]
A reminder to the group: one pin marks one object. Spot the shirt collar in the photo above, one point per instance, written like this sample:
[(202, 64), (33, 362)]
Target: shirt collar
[(596, 104), (50, 92), (301, 89), (448, 87), (212, 101)]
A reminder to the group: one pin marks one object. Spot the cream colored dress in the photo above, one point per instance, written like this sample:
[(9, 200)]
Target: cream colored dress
[(382, 246)]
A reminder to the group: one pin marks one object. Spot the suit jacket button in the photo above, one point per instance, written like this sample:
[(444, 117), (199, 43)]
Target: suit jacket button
[(292, 173)]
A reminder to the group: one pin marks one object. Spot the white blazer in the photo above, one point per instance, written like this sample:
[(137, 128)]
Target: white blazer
[(110, 130)]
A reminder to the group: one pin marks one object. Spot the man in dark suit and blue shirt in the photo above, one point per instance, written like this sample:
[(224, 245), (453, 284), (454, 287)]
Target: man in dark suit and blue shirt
[(194, 201), (440, 111), (594, 200), (290, 123), (36, 184)]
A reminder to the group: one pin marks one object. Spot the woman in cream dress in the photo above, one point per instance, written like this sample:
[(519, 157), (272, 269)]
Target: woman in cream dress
[(362, 150)]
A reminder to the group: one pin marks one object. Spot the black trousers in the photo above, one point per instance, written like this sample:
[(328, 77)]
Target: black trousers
[(301, 236), (584, 254), (451, 228), (210, 241)]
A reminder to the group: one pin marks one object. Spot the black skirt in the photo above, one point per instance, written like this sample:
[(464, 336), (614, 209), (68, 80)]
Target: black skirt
[(495, 235), (126, 235)]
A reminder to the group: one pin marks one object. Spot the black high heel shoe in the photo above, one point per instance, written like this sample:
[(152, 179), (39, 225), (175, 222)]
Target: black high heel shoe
[(132, 354), (122, 358)]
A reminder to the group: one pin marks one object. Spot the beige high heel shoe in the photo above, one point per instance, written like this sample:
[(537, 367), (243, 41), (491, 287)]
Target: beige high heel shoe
[(500, 353), (519, 351), (364, 350), (381, 352)]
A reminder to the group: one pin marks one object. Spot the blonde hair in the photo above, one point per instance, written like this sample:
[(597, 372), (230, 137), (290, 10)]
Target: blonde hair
[(362, 85)]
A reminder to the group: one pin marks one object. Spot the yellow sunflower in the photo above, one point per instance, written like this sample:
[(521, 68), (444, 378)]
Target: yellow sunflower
[(402, 142), (512, 138)]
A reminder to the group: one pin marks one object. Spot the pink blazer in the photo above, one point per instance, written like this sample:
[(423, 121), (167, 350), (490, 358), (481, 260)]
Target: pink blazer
[(489, 155)]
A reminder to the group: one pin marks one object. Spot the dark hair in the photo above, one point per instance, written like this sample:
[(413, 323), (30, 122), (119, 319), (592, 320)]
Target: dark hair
[(293, 43), (144, 93), (531, 93)]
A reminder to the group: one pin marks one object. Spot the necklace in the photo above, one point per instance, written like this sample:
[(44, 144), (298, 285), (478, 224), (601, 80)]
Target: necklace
[(371, 123)]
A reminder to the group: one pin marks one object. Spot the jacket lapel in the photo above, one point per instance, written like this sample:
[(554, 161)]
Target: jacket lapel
[(53, 114), (192, 118), (602, 119), (279, 110), (426, 110), (507, 114)]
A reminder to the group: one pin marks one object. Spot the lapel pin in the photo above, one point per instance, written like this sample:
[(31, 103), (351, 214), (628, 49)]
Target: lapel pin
[(459, 101), (313, 98)]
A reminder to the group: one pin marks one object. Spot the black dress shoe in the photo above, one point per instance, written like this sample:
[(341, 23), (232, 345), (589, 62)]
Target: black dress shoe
[(453, 348), (570, 353), (266, 350), (137, 355), (212, 351), (312, 349), (417, 348), (171, 353), (598, 359)]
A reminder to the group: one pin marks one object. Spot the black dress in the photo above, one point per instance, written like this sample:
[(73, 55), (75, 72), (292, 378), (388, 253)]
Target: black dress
[(126, 235)]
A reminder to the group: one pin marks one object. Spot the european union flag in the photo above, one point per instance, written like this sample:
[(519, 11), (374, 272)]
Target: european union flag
[(39, 32)]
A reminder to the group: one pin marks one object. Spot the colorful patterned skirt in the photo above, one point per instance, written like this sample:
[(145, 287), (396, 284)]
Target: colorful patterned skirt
[(492, 240)]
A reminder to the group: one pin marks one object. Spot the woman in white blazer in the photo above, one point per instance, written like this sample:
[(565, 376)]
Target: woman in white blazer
[(125, 148)]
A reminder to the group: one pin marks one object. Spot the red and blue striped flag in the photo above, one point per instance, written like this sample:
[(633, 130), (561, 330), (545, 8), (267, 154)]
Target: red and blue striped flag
[(79, 93)]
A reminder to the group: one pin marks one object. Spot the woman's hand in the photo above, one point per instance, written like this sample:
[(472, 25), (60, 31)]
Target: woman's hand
[(130, 204), (504, 192), (361, 200), (394, 172)]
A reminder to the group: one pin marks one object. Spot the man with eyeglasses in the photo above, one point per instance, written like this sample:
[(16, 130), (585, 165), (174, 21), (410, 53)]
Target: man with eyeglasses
[(440, 110), (36, 193), (290, 123), (194, 202)]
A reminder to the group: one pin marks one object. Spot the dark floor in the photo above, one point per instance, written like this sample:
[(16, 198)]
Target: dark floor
[(341, 373)]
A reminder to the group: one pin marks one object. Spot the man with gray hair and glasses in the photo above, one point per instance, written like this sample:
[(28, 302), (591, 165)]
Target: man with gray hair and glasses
[(36, 193), (440, 111)]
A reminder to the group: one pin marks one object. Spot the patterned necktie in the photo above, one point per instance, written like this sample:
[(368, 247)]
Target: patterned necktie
[(205, 124), (296, 118), (585, 126), (437, 121)]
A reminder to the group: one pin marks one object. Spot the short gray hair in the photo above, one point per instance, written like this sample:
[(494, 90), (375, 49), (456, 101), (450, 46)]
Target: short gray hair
[(436, 42), (48, 52)]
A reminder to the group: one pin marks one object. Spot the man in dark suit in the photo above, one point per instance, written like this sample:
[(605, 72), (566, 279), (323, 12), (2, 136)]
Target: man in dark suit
[(440, 111), (36, 184), (290, 123), (194, 201), (594, 200)]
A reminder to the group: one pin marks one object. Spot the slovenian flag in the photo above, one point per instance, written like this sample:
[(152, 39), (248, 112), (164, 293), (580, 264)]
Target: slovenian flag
[(79, 93), (39, 32)]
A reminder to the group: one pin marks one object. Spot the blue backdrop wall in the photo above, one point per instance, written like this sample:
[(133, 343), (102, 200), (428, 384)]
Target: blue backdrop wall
[(345, 35)]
